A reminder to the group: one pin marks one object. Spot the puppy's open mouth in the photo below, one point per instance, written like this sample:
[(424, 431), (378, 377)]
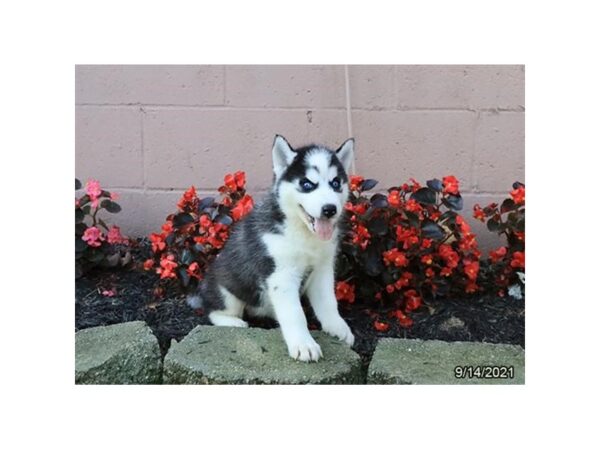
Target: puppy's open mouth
[(323, 228)]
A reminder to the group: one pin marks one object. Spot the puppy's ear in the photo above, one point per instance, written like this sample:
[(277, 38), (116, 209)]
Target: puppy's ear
[(346, 154), (283, 155)]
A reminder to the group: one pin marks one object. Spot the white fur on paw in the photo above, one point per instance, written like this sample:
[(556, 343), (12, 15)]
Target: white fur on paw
[(305, 350), (340, 330), (223, 320)]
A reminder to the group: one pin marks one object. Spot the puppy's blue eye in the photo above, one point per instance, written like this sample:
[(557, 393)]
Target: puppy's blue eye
[(336, 184), (306, 185)]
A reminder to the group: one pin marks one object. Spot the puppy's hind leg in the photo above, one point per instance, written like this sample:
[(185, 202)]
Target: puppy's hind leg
[(231, 314)]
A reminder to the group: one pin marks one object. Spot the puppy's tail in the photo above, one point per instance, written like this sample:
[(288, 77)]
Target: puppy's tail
[(194, 300)]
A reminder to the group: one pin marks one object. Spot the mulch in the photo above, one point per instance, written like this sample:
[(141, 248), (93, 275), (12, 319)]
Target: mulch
[(484, 319)]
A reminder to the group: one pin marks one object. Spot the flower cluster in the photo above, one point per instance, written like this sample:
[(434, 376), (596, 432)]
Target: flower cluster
[(406, 245), (191, 238), (97, 244), (505, 263)]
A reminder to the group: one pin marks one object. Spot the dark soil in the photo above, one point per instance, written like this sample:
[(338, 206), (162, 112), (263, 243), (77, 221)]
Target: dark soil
[(484, 319)]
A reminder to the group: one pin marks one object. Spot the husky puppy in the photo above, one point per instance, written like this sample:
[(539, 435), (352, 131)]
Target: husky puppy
[(284, 248)]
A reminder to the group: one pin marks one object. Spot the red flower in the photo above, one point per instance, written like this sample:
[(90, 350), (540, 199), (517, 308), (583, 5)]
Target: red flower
[(415, 185), (361, 236), (498, 254), (390, 288), (93, 236), (167, 227), (450, 185), (426, 243), (243, 207), (446, 272), (404, 320), (360, 208), (114, 236), (449, 256), (413, 206), (158, 242), (478, 213), (413, 300), (471, 287), (427, 259), (193, 270), (468, 242), (471, 270), (518, 195), (518, 260), (188, 199), (148, 264), (240, 179), (344, 291), (381, 326), (394, 199), (167, 265), (93, 190), (355, 182), (464, 226), (429, 273), (404, 280), (396, 257), (407, 236)]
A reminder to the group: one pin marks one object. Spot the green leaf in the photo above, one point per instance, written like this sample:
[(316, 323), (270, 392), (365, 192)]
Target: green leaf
[(79, 215), (449, 217), (110, 206), (425, 196), (454, 202), (80, 244), (379, 201), (80, 228), (185, 278), (435, 184), (373, 263), (77, 184), (95, 256), (205, 203), (224, 219), (78, 270), (507, 205), (187, 257), (493, 225), (432, 230), (182, 219), (369, 184), (378, 226), (413, 219)]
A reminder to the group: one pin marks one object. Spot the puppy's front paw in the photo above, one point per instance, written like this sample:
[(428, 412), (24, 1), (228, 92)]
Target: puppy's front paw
[(305, 349), (340, 330)]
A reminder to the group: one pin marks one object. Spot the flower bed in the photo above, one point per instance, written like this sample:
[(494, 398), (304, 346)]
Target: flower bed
[(409, 266)]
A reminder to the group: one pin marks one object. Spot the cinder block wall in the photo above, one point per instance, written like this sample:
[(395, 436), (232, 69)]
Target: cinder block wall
[(149, 132)]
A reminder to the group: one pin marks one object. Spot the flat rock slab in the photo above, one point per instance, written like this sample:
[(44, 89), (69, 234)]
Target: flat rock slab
[(126, 353), (413, 361), (225, 355)]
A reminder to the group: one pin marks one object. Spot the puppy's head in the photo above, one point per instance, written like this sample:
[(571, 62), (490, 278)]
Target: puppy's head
[(312, 183)]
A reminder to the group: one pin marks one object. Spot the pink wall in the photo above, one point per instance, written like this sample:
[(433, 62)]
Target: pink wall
[(149, 132)]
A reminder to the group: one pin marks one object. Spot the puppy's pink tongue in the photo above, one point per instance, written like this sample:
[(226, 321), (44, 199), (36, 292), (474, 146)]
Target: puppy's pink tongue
[(324, 228)]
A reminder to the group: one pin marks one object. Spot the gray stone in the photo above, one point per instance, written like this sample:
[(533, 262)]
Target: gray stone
[(452, 323), (225, 355), (413, 361), (126, 353)]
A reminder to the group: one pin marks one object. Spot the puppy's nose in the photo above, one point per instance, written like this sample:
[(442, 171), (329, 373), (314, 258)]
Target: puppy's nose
[(329, 211)]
